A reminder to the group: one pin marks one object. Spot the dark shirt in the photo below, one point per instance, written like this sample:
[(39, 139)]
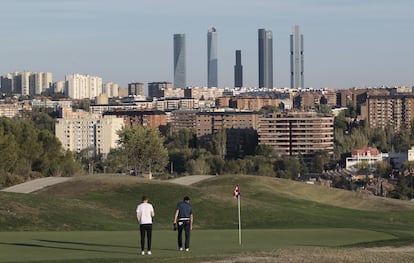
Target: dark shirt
[(184, 210)]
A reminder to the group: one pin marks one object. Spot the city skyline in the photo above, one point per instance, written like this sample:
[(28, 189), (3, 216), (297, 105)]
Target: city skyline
[(348, 43)]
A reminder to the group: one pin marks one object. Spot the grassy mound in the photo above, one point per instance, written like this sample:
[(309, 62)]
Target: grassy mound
[(109, 202)]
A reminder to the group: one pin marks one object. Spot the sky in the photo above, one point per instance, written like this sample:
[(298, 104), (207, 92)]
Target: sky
[(347, 43)]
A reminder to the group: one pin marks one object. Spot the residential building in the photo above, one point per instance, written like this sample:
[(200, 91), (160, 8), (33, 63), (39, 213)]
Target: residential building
[(297, 133), (134, 106), (80, 86), (151, 119), (170, 104), (254, 103), (238, 71), (212, 59), (296, 59), (89, 132), (265, 58), (10, 110), (203, 93), (136, 88), (240, 128), (210, 122), (26, 83), (179, 61), (111, 89), (156, 89), (183, 119), (59, 86), (395, 111), (367, 155)]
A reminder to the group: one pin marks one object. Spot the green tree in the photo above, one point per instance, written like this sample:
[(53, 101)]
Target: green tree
[(143, 148), (220, 143), (383, 169)]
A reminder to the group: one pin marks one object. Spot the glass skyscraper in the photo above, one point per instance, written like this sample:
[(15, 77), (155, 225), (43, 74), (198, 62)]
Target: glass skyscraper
[(212, 63), (179, 61), (265, 58), (296, 59), (238, 71)]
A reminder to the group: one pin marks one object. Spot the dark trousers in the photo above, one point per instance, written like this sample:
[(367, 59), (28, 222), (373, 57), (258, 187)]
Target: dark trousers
[(184, 225), (146, 228)]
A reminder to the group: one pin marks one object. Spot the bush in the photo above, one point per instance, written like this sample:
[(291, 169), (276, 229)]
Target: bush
[(8, 179)]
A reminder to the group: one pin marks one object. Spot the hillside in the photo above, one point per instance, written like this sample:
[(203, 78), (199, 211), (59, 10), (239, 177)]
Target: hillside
[(109, 202)]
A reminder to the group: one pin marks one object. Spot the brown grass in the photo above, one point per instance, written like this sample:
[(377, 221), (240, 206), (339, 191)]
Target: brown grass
[(327, 255)]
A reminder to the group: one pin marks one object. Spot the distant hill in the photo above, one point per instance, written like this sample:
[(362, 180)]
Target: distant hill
[(109, 202)]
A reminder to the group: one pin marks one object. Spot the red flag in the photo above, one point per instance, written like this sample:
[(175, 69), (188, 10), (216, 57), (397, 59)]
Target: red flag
[(236, 192)]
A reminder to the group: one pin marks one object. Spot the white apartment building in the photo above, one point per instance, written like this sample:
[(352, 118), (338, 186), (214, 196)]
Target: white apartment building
[(40, 82), (26, 83), (59, 86), (83, 86), (10, 110), (92, 131), (111, 89)]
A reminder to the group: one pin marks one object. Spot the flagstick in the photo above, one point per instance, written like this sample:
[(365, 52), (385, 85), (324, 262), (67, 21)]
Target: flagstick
[(238, 205)]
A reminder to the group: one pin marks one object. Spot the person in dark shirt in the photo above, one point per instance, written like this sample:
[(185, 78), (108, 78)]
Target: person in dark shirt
[(183, 220)]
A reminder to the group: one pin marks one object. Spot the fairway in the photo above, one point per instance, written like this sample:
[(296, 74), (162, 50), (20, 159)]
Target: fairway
[(123, 246)]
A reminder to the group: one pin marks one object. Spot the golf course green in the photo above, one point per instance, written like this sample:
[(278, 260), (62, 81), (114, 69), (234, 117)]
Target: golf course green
[(92, 219)]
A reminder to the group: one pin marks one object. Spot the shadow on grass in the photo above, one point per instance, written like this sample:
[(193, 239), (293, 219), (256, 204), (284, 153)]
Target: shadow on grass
[(68, 248), (82, 243)]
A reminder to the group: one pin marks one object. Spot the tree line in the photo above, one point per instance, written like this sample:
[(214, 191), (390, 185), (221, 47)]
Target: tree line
[(29, 152)]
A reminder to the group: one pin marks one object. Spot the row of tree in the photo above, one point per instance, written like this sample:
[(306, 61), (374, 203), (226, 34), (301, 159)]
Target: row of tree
[(29, 152)]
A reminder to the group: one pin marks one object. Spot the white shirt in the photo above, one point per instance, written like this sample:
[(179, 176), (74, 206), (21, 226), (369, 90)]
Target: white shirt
[(145, 210)]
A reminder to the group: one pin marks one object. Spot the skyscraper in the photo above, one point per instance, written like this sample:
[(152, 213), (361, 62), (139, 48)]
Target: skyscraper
[(238, 71), (296, 59), (179, 61), (265, 58), (212, 65)]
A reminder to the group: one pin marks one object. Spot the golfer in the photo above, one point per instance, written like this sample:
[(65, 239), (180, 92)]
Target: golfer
[(183, 219), (145, 213)]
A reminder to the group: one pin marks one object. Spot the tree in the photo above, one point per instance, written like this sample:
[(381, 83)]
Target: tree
[(220, 143), (143, 148)]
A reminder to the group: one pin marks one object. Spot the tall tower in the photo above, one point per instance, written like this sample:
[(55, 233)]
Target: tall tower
[(212, 65), (238, 71), (179, 61), (265, 58), (296, 59)]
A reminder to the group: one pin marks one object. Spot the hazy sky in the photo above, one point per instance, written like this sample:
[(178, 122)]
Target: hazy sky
[(346, 42)]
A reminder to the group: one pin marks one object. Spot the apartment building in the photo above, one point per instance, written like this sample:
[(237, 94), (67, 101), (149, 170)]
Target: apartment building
[(151, 119), (210, 122), (297, 133), (80, 86), (183, 119), (111, 89), (10, 110), (240, 127), (89, 131), (170, 104), (26, 83), (396, 111), (203, 93)]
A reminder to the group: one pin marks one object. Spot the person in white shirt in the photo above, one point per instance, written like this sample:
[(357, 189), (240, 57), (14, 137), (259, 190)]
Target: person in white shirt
[(145, 213)]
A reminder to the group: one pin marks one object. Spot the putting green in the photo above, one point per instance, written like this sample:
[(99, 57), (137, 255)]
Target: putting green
[(124, 245)]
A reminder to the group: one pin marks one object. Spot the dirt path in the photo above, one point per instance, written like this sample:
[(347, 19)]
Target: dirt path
[(35, 185), (191, 179)]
